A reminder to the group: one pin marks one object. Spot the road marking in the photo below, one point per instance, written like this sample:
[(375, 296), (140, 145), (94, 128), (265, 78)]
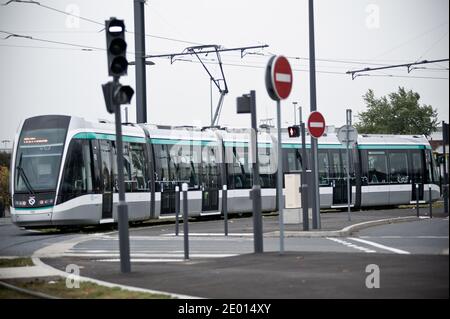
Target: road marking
[(146, 260), (406, 237), (149, 255), (351, 245), (213, 234), (395, 250)]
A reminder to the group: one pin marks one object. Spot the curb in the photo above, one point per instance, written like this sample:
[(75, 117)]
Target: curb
[(346, 231), (55, 251)]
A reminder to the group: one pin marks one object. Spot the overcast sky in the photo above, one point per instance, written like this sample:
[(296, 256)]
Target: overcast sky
[(38, 77)]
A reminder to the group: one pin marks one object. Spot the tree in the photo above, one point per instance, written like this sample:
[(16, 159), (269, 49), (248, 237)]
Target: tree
[(5, 197), (398, 113), (5, 159)]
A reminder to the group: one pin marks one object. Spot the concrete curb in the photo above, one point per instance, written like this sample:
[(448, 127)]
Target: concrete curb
[(347, 231), (57, 250)]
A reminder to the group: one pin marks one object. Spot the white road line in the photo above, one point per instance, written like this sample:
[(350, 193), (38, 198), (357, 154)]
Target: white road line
[(406, 237), (367, 242), (162, 255), (212, 234), (142, 260), (351, 245)]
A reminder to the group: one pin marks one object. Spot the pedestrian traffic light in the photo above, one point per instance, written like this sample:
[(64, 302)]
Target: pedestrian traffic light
[(116, 94), (294, 131), (116, 47)]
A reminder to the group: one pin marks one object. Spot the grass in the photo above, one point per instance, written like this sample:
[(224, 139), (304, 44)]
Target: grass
[(16, 262), (57, 287)]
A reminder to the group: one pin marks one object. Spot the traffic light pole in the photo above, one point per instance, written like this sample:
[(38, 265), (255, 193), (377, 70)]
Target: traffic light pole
[(122, 208), (139, 43), (349, 186), (314, 145)]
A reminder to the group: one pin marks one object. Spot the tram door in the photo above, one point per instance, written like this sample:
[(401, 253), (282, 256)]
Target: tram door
[(167, 198), (339, 177), (106, 178), (209, 180), (418, 174)]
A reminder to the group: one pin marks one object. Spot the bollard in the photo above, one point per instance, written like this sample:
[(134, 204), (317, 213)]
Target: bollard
[(304, 192), (417, 200), (225, 208), (177, 209), (431, 204), (185, 221)]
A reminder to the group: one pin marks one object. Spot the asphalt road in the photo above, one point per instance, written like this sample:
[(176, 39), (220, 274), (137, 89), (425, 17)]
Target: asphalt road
[(412, 258)]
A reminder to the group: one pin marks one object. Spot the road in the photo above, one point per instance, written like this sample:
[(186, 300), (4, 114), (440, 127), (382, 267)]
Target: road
[(412, 257)]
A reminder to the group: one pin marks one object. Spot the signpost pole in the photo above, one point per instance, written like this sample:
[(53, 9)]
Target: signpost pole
[(280, 179), (305, 187), (347, 144), (313, 107), (256, 189)]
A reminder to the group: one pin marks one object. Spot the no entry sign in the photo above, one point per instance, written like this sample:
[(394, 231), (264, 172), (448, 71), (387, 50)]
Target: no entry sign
[(278, 78), (316, 124)]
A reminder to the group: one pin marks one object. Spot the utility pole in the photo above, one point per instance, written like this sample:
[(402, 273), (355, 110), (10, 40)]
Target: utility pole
[(139, 43), (313, 107)]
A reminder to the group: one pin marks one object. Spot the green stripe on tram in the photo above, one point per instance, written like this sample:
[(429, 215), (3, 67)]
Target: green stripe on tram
[(182, 142), (245, 144), (111, 137), (393, 147)]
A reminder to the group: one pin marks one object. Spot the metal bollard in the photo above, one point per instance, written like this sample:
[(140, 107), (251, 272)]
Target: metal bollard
[(185, 220), (431, 203), (177, 209), (417, 200), (304, 192), (225, 208)]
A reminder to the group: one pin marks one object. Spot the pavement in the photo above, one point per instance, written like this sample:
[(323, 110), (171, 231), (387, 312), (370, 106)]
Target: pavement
[(412, 257)]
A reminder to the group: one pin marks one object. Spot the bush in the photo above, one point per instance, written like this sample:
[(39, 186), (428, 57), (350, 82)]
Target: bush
[(5, 196)]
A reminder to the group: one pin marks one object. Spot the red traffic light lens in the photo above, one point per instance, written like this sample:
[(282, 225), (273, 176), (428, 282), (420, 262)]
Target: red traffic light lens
[(117, 46), (119, 65)]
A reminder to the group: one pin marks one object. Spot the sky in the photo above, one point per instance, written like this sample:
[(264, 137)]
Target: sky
[(40, 77)]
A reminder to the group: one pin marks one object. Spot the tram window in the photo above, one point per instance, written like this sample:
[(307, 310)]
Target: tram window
[(210, 170), (239, 168), (186, 161), (267, 168), (106, 167), (431, 171), (399, 168), (324, 167), (115, 173), (417, 166), (78, 171), (135, 163), (377, 163), (337, 171)]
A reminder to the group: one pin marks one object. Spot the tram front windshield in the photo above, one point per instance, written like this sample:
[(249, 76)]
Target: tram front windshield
[(39, 153)]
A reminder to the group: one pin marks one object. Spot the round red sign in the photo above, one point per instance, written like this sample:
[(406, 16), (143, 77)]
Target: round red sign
[(316, 124), (279, 78)]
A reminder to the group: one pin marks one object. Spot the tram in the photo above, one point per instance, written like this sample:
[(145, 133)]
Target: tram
[(64, 170)]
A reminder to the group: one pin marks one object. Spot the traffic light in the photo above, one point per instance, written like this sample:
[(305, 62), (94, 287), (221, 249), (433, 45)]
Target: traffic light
[(116, 47), (294, 131), (116, 94)]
